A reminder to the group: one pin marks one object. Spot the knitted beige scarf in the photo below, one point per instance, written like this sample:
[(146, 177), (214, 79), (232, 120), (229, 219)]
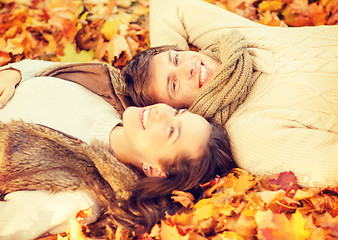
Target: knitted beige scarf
[(229, 87)]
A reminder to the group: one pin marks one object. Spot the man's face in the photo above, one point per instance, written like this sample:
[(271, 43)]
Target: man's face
[(177, 77)]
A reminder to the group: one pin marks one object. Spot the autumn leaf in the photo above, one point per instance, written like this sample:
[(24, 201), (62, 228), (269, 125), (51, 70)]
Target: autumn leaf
[(274, 226), (228, 235), (286, 181), (204, 209), (270, 196), (270, 6), (170, 232), (298, 223), (121, 234), (74, 232), (70, 55), (110, 27), (237, 206), (185, 198)]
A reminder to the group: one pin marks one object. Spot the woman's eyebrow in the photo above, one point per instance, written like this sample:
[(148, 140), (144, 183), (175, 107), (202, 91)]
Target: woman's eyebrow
[(179, 129), (179, 125)]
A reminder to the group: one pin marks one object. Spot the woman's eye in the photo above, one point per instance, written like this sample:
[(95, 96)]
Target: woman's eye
[(179, 111), (171, 131)]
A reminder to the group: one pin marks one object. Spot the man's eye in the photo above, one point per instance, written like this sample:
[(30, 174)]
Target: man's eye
[(176, 59), (174, 85)]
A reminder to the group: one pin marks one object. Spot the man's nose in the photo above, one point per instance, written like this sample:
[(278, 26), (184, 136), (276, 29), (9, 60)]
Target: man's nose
[(186, 70)]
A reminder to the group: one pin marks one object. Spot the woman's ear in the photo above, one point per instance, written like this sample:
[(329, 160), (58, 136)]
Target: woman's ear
[(151, 171)]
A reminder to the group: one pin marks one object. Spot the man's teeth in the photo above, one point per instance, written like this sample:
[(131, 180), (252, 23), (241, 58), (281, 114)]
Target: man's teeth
[(203, 74), (145, 118)]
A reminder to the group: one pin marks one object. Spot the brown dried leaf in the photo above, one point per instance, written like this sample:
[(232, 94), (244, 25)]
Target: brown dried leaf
[(186, 199)]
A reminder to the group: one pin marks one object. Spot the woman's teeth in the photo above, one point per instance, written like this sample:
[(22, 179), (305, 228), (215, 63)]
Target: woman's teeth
[(203, 75), (145, 118)]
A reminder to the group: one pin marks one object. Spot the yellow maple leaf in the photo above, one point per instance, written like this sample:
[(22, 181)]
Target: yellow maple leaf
[(14, 45), (245, 182), (226, 209), (299, 226), (228, 235), (270, 6), (203, 209), (169, 232), (110, 27), (182, 218)]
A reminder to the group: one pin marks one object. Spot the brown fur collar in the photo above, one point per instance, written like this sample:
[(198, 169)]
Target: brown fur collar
[(33, 157)]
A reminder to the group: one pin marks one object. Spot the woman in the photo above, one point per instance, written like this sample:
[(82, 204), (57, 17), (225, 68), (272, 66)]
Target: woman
[(177, 150), (274, 89)]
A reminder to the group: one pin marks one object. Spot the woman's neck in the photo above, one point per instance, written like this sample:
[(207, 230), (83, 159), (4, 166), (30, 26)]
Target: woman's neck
[(121, 147)]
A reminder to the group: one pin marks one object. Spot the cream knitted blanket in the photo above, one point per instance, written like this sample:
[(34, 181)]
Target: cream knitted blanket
[(229, 87)]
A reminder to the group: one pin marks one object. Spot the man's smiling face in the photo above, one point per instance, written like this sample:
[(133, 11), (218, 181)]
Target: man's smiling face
[(177, 77)]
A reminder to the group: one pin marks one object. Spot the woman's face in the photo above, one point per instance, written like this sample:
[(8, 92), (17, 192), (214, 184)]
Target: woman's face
[(160, 132), (177, 77)]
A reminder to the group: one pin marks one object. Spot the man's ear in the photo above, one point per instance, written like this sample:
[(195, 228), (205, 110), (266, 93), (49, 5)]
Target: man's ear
[(151, 171)]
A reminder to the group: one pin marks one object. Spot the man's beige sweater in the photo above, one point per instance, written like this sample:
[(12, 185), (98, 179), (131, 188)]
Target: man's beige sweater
[(289, 120)]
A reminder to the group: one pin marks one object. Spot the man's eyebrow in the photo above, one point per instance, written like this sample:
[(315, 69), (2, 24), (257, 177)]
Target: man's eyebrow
[(169, 77)]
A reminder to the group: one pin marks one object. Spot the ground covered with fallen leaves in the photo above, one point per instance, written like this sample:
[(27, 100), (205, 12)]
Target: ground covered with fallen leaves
[(238, 206)]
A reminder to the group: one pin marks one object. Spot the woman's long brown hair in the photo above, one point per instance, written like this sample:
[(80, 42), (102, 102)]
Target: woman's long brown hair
[(152, 198)]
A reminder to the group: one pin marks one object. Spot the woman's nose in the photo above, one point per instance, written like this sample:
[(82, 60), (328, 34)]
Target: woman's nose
[(160, 115)]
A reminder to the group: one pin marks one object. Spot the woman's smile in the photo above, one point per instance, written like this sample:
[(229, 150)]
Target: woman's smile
[(144, 112), (169, 133)]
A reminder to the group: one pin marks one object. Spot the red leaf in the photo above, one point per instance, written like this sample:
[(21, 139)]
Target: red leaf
[(286, 181)]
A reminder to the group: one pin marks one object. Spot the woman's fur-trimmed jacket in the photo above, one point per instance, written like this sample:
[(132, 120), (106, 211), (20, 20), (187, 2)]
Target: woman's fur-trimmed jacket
[(36, 158)]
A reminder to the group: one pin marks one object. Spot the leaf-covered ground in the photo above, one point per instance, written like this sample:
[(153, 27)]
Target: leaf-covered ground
[(238, 206), (114, 30)]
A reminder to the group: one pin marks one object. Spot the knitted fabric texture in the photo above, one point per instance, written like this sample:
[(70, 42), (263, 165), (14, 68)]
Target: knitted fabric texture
[(229, 87)]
